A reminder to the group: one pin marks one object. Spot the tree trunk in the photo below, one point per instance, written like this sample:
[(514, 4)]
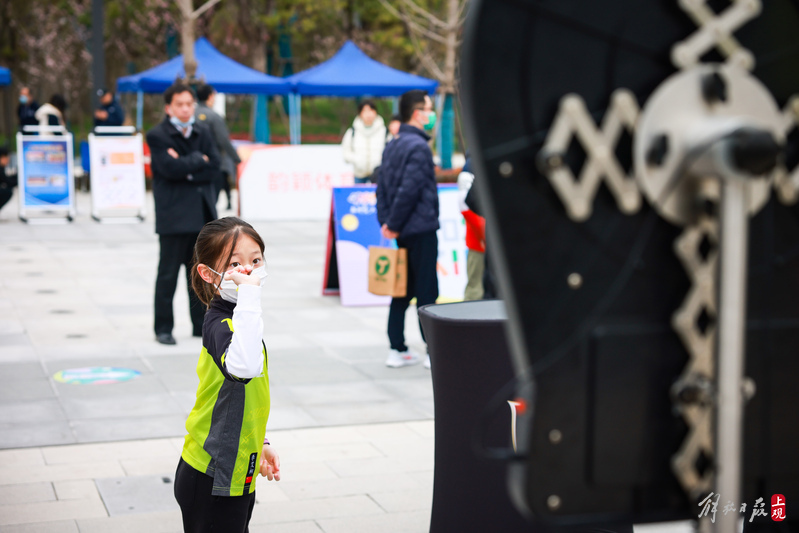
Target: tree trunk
[(349, 13), (187, 38), (445, 111), (448, 83)]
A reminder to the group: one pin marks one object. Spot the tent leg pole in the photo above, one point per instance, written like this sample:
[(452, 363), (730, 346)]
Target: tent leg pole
[(298, 103), (139, 110), (291, 118), (294, 118)]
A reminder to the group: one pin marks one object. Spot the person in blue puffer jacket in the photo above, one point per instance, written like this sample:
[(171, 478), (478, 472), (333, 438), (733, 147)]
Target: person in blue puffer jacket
[(407, 209)]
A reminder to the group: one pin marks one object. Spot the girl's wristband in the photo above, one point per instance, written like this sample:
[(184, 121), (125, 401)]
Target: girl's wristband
[(266, 442)]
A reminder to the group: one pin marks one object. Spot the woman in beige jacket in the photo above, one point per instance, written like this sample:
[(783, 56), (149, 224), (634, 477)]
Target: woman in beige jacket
[(364, 142)]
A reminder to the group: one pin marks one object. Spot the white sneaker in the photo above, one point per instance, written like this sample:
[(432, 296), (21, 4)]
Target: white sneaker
[(397, 359), (427, 362)]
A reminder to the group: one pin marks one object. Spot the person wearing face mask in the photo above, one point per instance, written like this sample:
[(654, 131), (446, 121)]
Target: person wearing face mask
[(26, 110), (364, 142), (185, 166), (407, 209), (226, 445)]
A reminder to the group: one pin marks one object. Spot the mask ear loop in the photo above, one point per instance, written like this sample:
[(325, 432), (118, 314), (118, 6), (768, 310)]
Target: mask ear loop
[(221, 277)]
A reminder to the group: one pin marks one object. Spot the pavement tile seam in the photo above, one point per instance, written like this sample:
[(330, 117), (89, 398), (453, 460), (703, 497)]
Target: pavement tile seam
[(350, 342), (51, 511)]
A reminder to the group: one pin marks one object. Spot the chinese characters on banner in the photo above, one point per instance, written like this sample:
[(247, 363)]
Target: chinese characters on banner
[(301, 181), (290, 182), (710, 505)]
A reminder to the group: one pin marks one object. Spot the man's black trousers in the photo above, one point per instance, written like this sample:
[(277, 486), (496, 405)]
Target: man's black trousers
[(5, 196), (422, 283), (222, 183), (176, 250)]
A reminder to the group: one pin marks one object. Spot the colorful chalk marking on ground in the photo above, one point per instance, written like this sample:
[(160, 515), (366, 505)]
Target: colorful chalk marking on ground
[(97, 375)]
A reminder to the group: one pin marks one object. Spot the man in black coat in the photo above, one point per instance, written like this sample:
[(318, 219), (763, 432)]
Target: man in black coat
[(407, 209), (185, 164), (110, 113), (26, 110)]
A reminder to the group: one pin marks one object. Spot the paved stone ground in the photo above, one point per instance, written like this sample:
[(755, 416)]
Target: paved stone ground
[(355, 438), (80, 295)]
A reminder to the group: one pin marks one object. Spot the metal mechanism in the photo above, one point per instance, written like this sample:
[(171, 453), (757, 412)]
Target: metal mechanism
[(634, 329), (727, 133), (705, 152), (680, 112), (787, 184), (716, 31), (706, 112), (574, 121), (694, 322)]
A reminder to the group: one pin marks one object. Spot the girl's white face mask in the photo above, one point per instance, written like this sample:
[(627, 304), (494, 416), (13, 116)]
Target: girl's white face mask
[(228, 289)]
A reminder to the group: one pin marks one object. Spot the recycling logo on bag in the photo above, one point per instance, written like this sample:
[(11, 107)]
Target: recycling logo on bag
[(382, 265)]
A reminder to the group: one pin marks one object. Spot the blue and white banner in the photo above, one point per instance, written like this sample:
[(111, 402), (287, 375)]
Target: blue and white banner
[(356, 229), (46, 173)]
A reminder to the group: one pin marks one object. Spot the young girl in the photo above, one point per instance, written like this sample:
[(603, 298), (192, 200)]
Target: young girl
[(215, 479)]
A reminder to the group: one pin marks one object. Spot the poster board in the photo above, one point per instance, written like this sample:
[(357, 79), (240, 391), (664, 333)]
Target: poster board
[(354, 227), (354, 220), (46, 177), (290, 182), (117, 177)]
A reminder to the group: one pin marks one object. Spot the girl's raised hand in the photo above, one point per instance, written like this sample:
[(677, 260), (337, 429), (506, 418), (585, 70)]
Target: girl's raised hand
[(241, 276)]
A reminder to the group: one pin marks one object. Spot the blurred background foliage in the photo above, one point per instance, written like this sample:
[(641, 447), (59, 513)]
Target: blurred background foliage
[(46, 44)]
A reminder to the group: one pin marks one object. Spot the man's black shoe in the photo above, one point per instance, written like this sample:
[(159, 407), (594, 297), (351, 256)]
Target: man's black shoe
[(165, 338)]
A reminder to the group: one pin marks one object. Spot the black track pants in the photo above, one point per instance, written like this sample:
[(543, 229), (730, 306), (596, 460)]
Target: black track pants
[(204, 513)]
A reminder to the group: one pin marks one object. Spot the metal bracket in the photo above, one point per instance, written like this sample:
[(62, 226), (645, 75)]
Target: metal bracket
[(694, 322), (574, 121), (715, 30), (787, 184), (695, 109)]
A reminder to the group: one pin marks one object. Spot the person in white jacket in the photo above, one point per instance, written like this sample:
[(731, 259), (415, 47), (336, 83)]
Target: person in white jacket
[(363, 143), (52, 113)]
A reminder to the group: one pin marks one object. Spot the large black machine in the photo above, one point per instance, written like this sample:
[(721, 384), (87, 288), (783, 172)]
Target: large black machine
[(637, 163)]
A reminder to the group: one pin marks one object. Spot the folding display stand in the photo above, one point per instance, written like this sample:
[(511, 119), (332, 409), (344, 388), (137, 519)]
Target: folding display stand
[(116, 175), (46, 175)]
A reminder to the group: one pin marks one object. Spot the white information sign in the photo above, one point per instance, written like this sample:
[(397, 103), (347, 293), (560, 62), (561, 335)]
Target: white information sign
[(451, 264), (117, 176), (291, 182)]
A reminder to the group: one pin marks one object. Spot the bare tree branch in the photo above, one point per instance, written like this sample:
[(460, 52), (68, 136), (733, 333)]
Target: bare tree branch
[(426, 14), (413, 25), (426, 60), (461, 10), (185, 7), (391, 9), (427, 33), (205, 7)]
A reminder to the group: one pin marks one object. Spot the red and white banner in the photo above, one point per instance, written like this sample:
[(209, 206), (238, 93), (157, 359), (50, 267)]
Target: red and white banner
[(290, 182)]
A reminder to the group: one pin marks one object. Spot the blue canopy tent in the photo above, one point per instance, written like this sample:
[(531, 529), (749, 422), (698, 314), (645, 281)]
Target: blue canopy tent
[(350, 73), (215, 68), (5, 76)]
